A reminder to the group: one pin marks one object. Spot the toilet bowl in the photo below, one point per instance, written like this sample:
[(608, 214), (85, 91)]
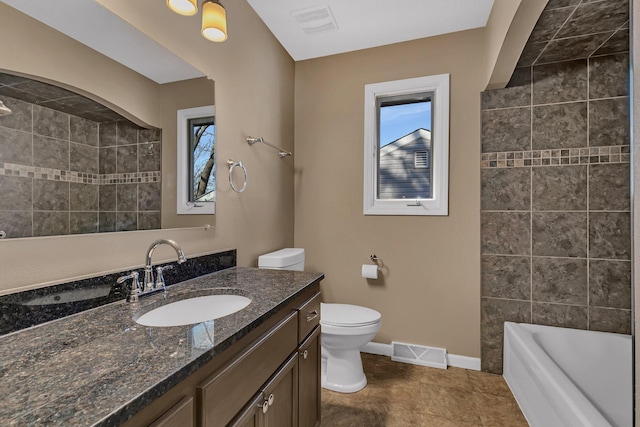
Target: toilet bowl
[(345, 329)]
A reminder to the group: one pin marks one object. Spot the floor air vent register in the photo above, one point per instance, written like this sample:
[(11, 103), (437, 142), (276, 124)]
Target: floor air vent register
[(419, 355)]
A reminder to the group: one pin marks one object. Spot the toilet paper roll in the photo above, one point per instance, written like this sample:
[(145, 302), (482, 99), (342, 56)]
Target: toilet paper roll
[(369, 271)]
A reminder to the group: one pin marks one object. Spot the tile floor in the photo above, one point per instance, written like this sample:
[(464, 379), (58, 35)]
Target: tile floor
[(400, 395)]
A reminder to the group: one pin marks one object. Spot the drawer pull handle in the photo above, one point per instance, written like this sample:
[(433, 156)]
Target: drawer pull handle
[(312, 315), (267, 402), (305, 354)]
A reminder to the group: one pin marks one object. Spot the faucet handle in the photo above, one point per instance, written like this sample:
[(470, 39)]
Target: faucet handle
[(135, 285), (160, 284)]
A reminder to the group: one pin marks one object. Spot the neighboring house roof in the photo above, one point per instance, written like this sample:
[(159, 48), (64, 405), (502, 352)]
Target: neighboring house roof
[(417, 134)]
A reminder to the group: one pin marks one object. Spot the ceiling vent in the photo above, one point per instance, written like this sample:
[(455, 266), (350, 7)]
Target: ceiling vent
[(315, 20)]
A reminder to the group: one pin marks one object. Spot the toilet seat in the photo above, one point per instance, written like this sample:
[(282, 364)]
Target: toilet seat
[(347, 315)]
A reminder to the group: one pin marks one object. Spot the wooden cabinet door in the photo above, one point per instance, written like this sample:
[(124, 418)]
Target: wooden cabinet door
[(180, 415), (251, 415), (281, 396), (309, 354), (226, 392)]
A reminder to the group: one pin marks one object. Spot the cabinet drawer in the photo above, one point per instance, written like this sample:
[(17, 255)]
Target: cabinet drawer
[(223, 394), (309, 316)]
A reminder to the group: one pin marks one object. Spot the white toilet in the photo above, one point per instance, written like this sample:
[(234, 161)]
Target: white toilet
[(345, 330)]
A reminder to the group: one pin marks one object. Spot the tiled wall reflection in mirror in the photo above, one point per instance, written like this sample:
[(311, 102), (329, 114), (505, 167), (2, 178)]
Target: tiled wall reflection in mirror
[(65, 174)]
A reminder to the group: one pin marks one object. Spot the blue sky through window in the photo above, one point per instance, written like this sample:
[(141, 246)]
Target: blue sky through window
[(397, 121)]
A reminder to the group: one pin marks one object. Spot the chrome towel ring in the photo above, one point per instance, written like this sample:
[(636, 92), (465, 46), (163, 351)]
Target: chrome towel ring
[(232, 164)]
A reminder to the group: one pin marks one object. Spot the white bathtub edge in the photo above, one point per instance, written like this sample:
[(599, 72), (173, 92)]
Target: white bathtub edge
[(455, 360), (562, 397)]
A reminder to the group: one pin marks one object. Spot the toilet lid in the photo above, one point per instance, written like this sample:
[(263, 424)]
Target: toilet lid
[(347, 315)]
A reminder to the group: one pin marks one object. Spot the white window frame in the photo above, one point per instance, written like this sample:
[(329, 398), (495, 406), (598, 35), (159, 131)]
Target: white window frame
[(438, 204), (184, 207)]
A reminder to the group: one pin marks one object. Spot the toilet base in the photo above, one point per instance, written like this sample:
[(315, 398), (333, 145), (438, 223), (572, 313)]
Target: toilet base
[(342, 371)]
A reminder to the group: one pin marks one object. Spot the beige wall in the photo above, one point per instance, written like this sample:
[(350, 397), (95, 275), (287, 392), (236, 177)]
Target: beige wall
[(254, 80), (430, 293)]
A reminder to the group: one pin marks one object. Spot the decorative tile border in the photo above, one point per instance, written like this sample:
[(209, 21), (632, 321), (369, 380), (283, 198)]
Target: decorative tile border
[(131, 178), (49, 174), (556, 157)]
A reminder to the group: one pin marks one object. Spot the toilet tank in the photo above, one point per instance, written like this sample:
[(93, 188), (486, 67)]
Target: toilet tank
[(284, 259)]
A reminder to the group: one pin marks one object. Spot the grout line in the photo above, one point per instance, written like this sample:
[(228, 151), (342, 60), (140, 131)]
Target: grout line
[(585, 35), (547, 104), (555, 34), (552, 211), (588, 192), (624, 26), (531, 208), (602, 44), (553, 257), (69, 166), (32, 179)]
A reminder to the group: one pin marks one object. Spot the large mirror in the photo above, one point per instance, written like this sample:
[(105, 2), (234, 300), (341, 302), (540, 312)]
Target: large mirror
[(73, 161)]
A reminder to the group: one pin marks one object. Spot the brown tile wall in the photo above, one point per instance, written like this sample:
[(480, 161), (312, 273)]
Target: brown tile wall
[(63, 174), (555, 200)]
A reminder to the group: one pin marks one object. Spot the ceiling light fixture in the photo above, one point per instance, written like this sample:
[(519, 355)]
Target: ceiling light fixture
[(183, 7), (214, 21), (214, 17)]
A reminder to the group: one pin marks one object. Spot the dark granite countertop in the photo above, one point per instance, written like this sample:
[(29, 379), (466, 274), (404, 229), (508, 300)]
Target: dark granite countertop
[(99, 367)]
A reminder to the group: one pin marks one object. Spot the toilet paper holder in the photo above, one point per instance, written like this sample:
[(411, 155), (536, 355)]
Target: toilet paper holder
[(377, 261)]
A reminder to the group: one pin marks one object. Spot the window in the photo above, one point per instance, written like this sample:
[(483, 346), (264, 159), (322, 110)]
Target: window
[(407, 147), (196, 186)]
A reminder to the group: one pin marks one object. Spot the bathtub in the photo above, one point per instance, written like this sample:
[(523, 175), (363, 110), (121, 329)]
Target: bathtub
[(569, 377)]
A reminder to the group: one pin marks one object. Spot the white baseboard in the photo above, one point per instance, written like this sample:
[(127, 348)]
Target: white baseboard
[(465, 362), (457, 361), (377, 348)]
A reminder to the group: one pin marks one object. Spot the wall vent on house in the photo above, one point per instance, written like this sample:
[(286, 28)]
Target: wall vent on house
[(421, 159), (419, 355), (315, 20)]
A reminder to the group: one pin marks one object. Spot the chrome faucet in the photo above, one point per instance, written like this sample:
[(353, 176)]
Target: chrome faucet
[(149, 284), (134, 291)]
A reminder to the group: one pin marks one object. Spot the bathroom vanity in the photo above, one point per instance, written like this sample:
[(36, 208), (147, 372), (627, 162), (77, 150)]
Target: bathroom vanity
[(257, 367)]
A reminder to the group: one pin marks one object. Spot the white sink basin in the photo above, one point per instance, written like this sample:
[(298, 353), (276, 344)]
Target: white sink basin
[(194, 310)]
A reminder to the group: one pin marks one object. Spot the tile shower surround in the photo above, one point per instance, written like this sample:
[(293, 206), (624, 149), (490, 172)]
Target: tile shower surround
[(555, 203), (63, 174), (576, 29)]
